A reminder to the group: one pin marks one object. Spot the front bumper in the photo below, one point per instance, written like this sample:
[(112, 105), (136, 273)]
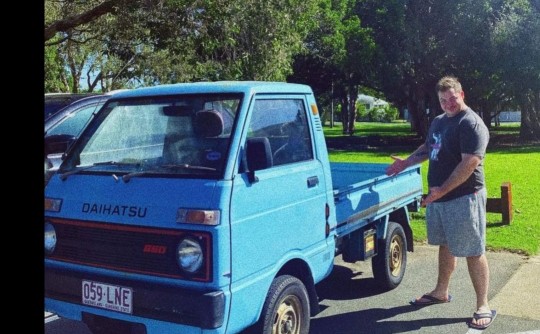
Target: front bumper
[(160, 302)]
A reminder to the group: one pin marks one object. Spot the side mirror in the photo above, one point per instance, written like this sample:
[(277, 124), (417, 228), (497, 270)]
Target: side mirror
[(258, 156), (58, 143)]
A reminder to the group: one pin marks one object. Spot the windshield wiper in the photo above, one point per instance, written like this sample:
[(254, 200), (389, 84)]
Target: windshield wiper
[(65, 175), (128, 177)]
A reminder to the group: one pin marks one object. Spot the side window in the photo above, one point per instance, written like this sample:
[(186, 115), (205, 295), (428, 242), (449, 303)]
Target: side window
[(74, 123), (284, 123)]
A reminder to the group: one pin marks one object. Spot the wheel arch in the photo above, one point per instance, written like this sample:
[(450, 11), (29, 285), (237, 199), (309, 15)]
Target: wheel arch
[(401, 216), (300, 269)]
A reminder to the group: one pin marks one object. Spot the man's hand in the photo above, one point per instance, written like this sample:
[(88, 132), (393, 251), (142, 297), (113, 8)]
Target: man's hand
[(460, 174), (397, 166), (434, 194)]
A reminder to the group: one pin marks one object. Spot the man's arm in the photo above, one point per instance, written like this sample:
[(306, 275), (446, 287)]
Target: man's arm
[(460, 174), (418, 156)]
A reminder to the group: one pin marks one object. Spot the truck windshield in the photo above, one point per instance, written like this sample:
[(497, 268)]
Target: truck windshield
[(146, 136)]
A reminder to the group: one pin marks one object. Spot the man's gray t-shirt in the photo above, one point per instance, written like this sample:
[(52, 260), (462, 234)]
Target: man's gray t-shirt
[(448, 138)]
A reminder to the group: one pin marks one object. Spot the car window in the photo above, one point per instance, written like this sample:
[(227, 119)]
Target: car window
[(74, 123), (54, 106), (54, 102), (284, 123), (174, 135)]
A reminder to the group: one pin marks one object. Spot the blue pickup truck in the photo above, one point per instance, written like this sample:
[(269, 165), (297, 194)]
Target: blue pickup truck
[(213, 208)]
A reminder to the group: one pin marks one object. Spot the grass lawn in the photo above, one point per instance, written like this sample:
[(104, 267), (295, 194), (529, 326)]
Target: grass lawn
[(518, 164)]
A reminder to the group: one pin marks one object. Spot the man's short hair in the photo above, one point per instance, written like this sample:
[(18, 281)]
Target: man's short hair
[(448, 82)]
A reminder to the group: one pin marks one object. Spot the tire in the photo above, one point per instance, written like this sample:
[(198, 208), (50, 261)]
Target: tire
[(286, 308), (389, 264)]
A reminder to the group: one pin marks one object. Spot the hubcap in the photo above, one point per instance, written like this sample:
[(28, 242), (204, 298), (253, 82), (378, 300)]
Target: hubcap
[(396, 257), (287, 320)]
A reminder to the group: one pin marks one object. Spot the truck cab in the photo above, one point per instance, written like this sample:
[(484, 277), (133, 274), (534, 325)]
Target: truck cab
[(184, 200)]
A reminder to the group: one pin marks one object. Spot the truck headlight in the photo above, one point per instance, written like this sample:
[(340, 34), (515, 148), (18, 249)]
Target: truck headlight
[(190, 255), (50, 238)]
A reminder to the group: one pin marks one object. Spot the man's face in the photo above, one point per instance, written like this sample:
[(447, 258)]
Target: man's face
[(451, 101)]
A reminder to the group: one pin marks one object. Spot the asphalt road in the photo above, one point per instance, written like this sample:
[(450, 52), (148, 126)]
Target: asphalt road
[(351, 302), (354, 303)]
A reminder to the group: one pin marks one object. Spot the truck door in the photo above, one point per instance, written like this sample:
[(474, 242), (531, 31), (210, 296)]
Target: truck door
[(284, 210)]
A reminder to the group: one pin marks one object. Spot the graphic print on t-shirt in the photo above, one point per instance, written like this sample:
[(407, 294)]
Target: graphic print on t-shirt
[(436, 146)]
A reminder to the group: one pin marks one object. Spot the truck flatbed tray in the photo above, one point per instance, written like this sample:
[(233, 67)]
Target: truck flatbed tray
[(364, 193)]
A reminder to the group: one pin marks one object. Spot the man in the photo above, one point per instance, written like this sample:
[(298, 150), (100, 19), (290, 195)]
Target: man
[(456, 202)]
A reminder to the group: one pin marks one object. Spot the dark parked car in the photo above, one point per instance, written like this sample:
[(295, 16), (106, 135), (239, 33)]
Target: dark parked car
[(56, 101), (63, 127)]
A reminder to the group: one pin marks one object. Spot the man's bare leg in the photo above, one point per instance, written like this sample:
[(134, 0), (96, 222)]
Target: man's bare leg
[(447, 265), (479, 273)]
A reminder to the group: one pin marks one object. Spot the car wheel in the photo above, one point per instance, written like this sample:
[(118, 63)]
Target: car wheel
[(286, 308), (391, 259)]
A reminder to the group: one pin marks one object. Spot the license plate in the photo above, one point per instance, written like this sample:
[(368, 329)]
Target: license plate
[(110, 297)]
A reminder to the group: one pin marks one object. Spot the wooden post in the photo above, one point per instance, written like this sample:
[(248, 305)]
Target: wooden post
[(502, 205), (506, 202)]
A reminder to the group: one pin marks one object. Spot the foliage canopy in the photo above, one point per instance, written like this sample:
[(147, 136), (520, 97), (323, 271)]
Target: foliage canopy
[(339, 47)]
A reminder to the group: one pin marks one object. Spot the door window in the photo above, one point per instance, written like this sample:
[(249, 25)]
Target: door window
[(284, 123)]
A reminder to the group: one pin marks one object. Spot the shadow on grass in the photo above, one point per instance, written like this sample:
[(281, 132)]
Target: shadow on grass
[(496, 224), (398, 136), (373, 143), (526, 148)]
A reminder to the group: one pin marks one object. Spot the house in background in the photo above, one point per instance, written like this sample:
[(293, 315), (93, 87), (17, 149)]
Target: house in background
[(509, 116), (371, 102)]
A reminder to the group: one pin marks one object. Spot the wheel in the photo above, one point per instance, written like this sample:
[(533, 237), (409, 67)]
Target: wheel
[(286, 308), (390, 262)]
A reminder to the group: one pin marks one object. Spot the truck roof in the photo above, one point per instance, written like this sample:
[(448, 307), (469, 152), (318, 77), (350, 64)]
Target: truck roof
[(246, 87)]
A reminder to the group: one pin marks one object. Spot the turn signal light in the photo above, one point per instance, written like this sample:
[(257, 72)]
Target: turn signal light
[(193, 216)]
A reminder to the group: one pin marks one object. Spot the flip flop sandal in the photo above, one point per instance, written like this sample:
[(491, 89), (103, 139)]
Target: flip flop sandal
[(430, 300), (483, 315)]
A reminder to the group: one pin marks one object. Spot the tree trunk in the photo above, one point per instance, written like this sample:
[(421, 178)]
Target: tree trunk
[(486, 112), (530, 116), (353, 96), (344, 114), (416, 104)]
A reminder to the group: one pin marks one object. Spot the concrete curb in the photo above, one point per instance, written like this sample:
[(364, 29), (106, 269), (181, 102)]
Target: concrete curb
[(519, 297)]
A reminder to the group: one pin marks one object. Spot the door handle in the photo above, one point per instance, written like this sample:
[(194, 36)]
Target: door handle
[(312, 181)]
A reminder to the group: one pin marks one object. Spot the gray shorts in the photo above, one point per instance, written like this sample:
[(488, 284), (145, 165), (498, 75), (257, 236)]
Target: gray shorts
[(459, 224)]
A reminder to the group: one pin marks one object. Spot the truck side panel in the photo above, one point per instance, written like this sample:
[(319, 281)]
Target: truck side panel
[(364, 193)]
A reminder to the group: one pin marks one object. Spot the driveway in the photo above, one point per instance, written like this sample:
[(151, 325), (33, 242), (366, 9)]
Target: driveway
[(354, 304)]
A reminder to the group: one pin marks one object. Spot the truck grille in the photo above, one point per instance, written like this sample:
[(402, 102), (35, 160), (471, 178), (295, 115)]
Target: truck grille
[(126, 248)]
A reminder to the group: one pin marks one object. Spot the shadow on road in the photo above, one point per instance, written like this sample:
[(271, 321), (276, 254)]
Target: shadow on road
[(346, 284), (374, 321)]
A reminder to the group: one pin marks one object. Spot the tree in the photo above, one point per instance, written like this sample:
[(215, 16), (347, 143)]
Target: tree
[(420, 41), (156, 41), (338, 57), (76, 32), (253, 40), (317, 65), (55, 72), (517, 45), (93, 10)]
